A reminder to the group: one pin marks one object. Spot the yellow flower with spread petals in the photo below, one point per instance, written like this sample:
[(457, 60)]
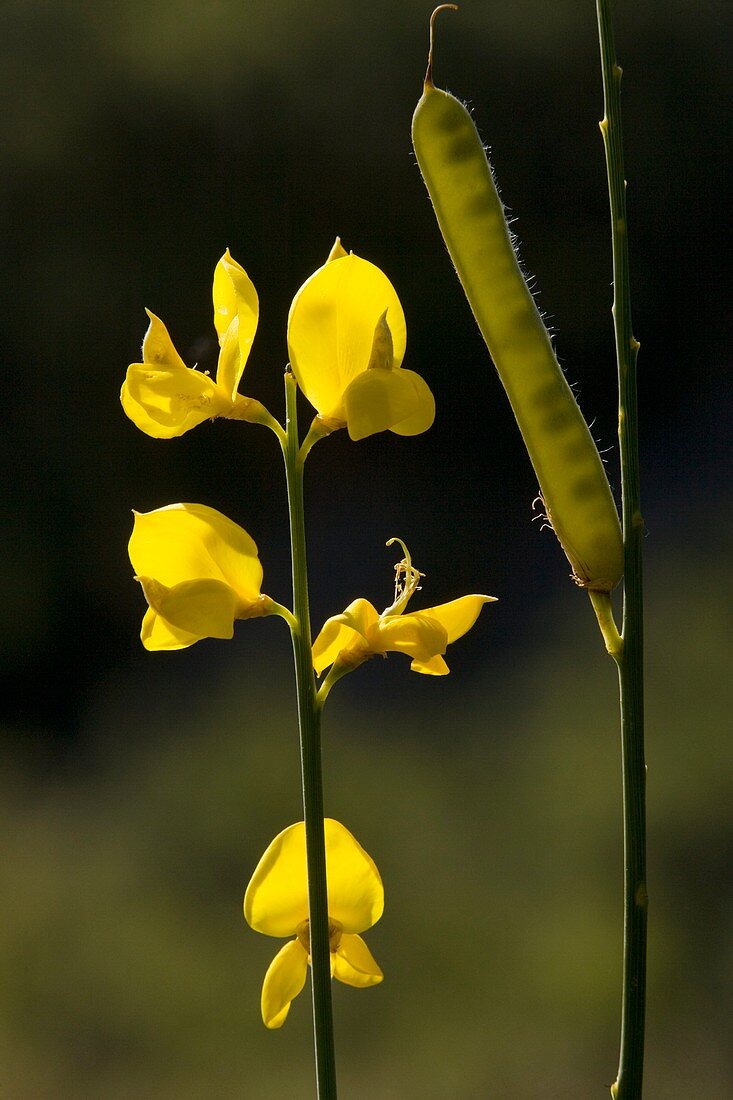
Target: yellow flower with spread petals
[(349, 639), (346, 341), (165, 398), (199, 572), (276, 903)]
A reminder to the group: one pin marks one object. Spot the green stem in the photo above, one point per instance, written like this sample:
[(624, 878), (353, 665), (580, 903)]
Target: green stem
[(309, 719), (628, 1084)]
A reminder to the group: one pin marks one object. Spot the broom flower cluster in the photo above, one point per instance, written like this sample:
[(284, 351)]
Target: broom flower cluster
[(200, 573)]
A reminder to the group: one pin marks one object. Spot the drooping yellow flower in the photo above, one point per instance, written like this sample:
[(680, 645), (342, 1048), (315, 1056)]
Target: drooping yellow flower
[(199, 572), (349, 639), (165, 398), (346, 341), (276, 903)]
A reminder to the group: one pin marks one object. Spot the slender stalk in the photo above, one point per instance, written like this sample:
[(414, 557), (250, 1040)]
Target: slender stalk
[(309, 719), (629, 659)]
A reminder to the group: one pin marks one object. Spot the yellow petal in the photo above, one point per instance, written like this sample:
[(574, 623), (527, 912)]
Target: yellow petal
[(165, 401), (331, 328), (382, 353), (156, 634), (436, 666), (230, 365), (458, 616), (283, 982), (354, 964), (355, 891), (158, 346), (424, 415), (203, 608), (381, 399), (161, 395), (186, 542), (276, 899), (337, 251), (343, 632), (416, 634), (235, 296)]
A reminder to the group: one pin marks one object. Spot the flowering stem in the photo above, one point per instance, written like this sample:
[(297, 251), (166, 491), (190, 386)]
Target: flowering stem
[(629, 657), (309, 720)]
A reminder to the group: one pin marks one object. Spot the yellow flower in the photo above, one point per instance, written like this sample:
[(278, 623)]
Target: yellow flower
[(164, 397), (348, 639), (199, 572), (276, 903), (346, 341)]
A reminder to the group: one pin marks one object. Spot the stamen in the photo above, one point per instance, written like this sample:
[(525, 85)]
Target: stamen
[(407, 581)]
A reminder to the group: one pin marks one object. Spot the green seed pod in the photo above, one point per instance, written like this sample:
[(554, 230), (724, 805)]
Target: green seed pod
[(573, 483)]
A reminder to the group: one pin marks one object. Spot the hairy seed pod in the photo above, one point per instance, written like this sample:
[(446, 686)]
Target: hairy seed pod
[(573, 483)]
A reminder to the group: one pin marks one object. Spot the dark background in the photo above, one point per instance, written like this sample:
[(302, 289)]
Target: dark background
[(139, 140)]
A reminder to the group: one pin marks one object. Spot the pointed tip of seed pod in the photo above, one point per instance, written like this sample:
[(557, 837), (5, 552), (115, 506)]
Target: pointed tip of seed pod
[(428, 82)]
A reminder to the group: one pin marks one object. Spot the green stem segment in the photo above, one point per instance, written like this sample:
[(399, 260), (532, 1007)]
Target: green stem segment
[(309, 718), (628, 1084)]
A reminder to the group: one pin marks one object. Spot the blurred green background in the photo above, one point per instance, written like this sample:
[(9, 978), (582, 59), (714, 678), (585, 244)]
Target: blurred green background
[(138, 141)]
